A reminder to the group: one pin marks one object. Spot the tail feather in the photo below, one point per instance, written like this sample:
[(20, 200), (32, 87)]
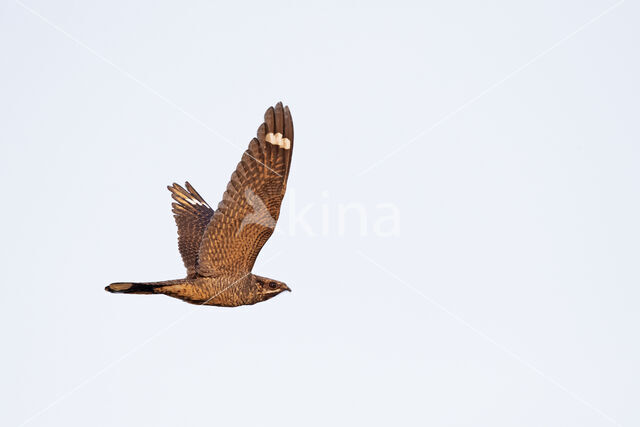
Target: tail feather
[(130, 288), (139, 288)]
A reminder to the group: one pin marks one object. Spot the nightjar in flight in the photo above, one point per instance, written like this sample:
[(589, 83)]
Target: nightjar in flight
[(219, 247)]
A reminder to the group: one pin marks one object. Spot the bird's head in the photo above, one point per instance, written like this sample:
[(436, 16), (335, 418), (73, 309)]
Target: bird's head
[(268, 288)]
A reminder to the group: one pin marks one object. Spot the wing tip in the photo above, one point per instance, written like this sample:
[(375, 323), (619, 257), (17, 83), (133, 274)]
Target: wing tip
[(187, 198), (277, 120)]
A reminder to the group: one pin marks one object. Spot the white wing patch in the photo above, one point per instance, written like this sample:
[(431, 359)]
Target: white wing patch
[(277, 139), (196, 202)]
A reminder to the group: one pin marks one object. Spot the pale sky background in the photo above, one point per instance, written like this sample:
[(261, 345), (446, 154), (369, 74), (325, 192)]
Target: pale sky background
[(508, 297)]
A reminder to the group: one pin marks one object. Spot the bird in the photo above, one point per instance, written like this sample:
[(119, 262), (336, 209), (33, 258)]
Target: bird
[(219, 248)]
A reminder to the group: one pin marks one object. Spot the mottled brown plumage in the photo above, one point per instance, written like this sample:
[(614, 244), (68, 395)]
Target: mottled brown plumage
[(219, 247)]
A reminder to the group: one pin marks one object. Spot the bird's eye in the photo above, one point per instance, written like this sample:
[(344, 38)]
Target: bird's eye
[(273, 285)]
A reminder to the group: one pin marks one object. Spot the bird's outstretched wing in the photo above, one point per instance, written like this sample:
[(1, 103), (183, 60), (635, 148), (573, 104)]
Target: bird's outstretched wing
[(192, 214), (250, 206)]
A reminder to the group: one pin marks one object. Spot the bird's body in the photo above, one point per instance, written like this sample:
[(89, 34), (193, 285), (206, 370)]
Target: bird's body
[(219, 247), (223, 291)]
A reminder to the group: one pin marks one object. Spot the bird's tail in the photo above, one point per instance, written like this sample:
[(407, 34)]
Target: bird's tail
[(140, 288)]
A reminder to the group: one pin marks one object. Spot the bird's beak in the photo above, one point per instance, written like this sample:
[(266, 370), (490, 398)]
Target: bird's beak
[(286, 288)]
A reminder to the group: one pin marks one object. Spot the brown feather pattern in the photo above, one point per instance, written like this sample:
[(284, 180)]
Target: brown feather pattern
[(192, 215), (229, 245), (219, 247)]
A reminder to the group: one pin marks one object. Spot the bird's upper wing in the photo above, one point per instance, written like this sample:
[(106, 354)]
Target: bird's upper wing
[(250, 206), (192, 214)]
